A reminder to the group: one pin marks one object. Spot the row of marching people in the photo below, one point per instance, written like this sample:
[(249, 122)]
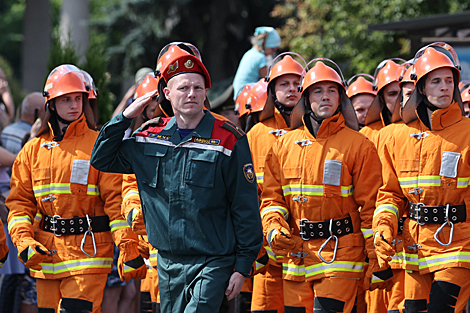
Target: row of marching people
[(375, 221)]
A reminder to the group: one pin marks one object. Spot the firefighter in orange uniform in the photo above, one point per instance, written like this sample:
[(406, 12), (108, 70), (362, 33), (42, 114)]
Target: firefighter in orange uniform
[(71, 252), (465, 94), (426, 173), (362, 93), (255, 103), (283, 95), (381, 109), (316, 178)]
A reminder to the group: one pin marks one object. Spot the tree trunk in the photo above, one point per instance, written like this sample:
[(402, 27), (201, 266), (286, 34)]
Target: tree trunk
[(37, 40), (74, 24)]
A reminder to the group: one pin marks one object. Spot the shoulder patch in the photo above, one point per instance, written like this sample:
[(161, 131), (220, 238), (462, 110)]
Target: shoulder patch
[(249, 172), (228, 125)]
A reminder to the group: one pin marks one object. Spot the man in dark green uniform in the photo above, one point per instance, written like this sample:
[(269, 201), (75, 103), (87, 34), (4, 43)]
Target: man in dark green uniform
[(197, 187)]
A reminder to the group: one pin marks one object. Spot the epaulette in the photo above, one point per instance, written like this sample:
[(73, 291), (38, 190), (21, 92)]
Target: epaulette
[(228, 125), (152, 122)]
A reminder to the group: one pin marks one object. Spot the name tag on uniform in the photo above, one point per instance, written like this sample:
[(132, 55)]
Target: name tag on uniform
[(80, 170), (332, 172), (449, 163)]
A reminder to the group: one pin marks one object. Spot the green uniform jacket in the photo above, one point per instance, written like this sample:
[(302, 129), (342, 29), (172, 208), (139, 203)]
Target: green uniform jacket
[(199, 195)]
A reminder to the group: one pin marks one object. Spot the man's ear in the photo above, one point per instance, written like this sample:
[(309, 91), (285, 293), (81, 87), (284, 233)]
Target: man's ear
[(166, 91)]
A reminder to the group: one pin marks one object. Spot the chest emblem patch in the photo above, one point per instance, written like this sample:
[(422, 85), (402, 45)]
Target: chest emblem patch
[(249, 172)]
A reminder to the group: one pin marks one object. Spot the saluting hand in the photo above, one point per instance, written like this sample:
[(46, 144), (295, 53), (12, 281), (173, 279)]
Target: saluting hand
[(138, 106)]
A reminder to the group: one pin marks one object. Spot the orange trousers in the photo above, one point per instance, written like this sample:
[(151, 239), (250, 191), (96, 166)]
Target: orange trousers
[(382, 300), (78, 291), (333, 294), (268, 293), (419, 287)]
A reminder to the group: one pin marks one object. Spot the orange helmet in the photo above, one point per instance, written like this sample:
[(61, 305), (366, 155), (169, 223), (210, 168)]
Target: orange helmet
[(465, 94), (146, 84), (62, 80), (432, 59), (258, 96), (89, 85), (241, 101), (464, 84), (321, 72), (386, 73), (404, 73), (177, 60), (429, 58), (360, 85), (285, 65)]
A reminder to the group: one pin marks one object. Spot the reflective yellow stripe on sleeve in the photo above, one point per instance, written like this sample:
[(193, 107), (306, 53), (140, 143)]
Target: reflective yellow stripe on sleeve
[(278, 209), (386, 208), (131, 193), (19, 219), (118, 224), (367, 232)]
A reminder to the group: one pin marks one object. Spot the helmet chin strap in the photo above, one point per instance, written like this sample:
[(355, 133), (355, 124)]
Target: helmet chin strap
[(429, 105)]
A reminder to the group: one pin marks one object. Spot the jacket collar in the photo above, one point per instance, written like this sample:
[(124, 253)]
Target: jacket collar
[(443, 118), (75, 129), (280, 121), (329, 126), (202, 130)]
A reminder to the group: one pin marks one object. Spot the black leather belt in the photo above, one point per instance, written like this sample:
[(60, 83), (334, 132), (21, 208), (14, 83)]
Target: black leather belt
[(438, 214), (401, 221), (314, 230), (74, 226)]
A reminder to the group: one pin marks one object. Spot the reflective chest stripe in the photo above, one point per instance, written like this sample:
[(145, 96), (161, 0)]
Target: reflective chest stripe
[(19, 219), (74, 265), (194, 145), (313, 190), (278, 209), (118, 224), (421, 181), (463, 182), (260, 177), (62, 188), (386, 208), (312, 270)]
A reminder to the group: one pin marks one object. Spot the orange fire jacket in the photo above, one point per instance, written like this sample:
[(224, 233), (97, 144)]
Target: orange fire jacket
[(321, 179), (261, 137), (55, 178), (430, 167)]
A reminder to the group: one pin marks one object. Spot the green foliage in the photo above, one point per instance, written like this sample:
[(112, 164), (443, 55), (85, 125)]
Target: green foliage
[(95, 63), (338, 29)]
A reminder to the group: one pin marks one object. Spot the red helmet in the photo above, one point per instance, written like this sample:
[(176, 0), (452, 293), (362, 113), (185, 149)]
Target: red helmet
[(360, 85), (258, 96), (241, 101), (62, 80), (146, 84), (386, 73), (177, 60)]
